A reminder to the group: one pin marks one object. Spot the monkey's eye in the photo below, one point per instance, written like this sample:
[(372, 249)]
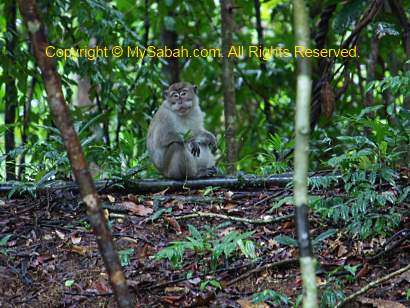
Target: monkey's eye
[(183, 94), (176, 95)]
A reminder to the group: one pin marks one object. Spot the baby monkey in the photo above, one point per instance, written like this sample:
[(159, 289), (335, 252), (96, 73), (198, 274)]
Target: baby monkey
[(177, 142)]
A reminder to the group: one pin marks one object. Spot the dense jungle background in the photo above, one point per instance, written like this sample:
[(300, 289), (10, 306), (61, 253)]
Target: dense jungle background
[(360, 139)]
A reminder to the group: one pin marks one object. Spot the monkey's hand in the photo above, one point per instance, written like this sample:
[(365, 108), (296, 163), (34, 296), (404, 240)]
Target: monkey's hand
[(213, 144), (211, 141), (195, 148)]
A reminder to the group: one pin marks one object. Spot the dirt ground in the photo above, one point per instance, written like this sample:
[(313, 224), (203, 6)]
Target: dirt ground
[(50, 258)]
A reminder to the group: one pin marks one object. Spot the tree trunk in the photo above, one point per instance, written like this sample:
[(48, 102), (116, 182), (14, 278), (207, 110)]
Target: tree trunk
[(302, 127), (11, 90), (371, 67), (120, 113), (24, 133), (228, 83), (323, 66), (62, 119), (262, 65), (399, 11), (169, 39)]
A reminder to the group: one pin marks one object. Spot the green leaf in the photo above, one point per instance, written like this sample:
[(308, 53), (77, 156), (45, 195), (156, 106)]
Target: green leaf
[(286, 240), (248, 248), (169, 2), (68, 283), (5, 239), (158, 214), (124, 256), (169, 23), (195, 233), (351, 269), (277, 298), (215, 283), (324, 235)]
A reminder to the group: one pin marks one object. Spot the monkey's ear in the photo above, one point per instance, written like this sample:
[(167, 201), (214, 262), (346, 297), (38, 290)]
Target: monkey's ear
[(166, 93), (195, 88)]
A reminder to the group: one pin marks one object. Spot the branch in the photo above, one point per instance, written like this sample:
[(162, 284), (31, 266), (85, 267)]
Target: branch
[(239, 219), (372, 285), (261, 268)]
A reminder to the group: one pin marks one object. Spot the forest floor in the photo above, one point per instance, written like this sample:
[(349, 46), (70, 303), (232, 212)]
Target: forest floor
[(51, 258)]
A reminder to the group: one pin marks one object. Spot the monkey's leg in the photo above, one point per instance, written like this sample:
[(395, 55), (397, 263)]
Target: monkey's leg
[(205, 163), (207, 172), (180, 163)]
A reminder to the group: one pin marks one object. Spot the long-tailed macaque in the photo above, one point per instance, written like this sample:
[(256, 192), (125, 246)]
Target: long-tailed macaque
[(178, 144)]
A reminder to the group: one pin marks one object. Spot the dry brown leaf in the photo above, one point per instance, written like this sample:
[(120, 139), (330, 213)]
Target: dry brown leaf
[(272, 244), (132, 198), (228, 195), (141, 210), (101, 286), (128, 205), (175, 290), (81, 250), (60, 234), (137, 209), (230, 206), (342, 250), (170, 299), (111, 198), (75, 239), (106, 214), (47, 237), (364, 271), (268, 231), (173, 223)]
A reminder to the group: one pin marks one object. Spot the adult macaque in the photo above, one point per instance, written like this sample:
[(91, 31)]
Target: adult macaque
[(178, 144)]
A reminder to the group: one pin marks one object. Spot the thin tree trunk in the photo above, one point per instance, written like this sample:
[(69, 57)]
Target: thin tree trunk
[(399, 11), (11, 90), (323, 75), (123, 105), (62, 119), (371, 68), (169, 39), (302, 127), (228, 83), (262, 65), (105, 123), (24, 133)]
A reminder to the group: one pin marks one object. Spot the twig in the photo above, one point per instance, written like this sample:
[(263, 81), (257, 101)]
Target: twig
[(89, 294), (372, 285), (239, 219), (383, 250), (261, 268)]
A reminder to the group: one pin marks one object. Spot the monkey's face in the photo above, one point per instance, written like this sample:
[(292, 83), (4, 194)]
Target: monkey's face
[(181, 97)]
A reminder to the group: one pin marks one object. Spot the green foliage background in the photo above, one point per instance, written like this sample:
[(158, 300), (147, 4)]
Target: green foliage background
[(130, 90)]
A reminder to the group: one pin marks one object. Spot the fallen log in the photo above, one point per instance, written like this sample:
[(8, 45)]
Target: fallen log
[(157, 185)]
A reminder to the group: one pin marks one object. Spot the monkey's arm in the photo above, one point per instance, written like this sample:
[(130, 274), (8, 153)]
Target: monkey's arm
[(169, 139), (209, 139), (165, 139)]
